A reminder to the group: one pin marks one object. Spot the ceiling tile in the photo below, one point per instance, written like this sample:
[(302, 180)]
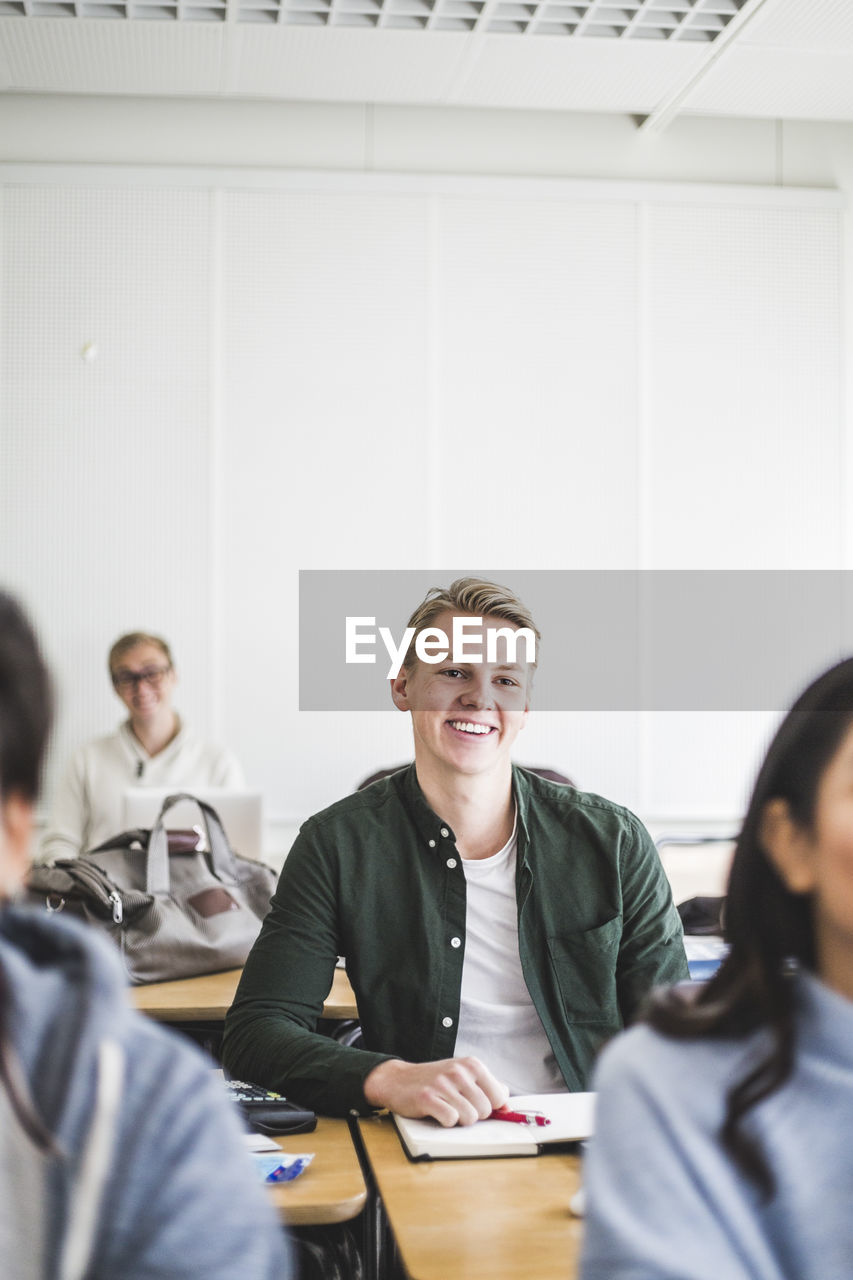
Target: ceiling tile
[(794, 59), (582, 75), (342, 65), (802, 24), (781, 83), (58, 56)]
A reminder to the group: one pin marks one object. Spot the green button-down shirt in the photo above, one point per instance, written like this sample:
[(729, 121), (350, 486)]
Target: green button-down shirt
[(378, 878)]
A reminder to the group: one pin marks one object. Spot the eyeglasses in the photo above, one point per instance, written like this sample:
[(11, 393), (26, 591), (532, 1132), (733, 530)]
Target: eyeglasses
[(125, 680)]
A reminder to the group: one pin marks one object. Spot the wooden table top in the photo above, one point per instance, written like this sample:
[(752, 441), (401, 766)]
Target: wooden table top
[(209, 997), (332, 1187), (489, 1219)]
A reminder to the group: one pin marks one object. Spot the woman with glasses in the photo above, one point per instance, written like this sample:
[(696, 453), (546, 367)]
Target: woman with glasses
[(151, 748)]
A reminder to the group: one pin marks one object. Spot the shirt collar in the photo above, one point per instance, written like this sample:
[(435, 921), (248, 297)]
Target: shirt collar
[(432, 829), (435, 832), (135, 748), (521, 791)]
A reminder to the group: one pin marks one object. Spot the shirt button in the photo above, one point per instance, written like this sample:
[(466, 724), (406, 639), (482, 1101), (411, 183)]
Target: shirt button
[(456, 942), (445, 832), (451, 862), (432, 844), (447, 1022)]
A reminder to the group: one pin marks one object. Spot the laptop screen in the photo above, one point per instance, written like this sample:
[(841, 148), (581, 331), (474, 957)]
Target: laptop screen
[(240, 812)]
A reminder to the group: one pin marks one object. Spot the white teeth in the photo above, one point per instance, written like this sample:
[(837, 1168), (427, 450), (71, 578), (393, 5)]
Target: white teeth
[(467, 727)]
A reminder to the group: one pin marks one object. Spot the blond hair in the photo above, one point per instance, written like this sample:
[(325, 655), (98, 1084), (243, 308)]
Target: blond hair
[(477, 596), (127, 642)]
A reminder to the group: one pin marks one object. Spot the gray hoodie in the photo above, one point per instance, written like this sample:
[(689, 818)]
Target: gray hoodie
[(151, 1178)]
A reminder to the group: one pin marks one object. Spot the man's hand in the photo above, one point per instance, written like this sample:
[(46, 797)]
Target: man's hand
[(453, 1091)]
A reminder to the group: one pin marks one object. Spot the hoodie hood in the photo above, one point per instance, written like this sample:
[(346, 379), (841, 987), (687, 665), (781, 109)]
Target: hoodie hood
[(66, 987), (139, 1122)]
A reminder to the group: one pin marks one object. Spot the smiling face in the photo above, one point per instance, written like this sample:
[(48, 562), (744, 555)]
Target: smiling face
[(144, 680), (466, 715)]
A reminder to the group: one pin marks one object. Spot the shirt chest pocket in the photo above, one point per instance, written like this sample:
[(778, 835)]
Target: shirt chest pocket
[(584, 966)]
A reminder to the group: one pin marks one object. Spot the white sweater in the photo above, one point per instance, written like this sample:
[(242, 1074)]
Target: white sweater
[(88, 805)]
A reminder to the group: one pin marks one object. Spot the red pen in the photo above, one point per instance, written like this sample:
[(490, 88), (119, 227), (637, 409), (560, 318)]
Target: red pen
[(520, 1117)]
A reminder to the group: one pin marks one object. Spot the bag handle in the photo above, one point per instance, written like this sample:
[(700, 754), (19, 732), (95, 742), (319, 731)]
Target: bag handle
[(219, 850)]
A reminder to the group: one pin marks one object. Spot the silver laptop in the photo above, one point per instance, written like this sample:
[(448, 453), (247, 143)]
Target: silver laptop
[(240, 812)]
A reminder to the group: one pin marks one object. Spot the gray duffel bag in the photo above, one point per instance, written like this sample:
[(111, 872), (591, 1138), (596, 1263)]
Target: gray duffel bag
[(174, 914)]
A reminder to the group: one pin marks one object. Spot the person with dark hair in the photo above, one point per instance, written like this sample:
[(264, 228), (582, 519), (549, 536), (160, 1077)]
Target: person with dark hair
[(120, 1155), (152, 748), (721, 1150), (497, 926)]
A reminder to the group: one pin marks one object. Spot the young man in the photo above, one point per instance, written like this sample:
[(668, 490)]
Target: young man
[(497, 927), (119, 1154), (152, 748)]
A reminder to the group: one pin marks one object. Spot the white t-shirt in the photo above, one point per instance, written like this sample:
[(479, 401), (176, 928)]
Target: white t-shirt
[(497, 1020)]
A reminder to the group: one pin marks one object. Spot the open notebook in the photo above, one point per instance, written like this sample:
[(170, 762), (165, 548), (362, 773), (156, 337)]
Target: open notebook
[(571, 1115)]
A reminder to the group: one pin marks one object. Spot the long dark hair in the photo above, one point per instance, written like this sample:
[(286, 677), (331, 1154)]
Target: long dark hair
[(26, 711), (769, 929)]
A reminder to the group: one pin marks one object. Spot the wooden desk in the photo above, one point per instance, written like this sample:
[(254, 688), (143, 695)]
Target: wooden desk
[(332, 1187), (492, 1219), (209, 997)]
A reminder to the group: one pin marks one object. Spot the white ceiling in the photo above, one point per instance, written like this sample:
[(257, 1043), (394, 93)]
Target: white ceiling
[(649, 58)]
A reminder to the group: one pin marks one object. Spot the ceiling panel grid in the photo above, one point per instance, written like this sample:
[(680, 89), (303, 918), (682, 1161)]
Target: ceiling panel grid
[(652, 59), (688, 20)]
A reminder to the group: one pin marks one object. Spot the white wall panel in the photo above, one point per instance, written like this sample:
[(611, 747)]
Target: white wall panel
[(744, 443), (598, 750), (743, 404), (325, 357), (537, 337), (103, 488), (536, 323), (699, 766), (344, 372)]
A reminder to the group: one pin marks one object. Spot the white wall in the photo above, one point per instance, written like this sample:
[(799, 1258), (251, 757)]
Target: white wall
[(79, 129), (419, 140), (279, 360)]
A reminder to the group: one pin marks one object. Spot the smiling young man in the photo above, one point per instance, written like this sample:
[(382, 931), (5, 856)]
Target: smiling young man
[(152, 748), (497, 927)]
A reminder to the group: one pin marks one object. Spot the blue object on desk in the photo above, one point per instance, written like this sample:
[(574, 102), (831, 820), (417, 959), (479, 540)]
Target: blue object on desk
[(701, 970), (705, 954), (282, 1167)]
